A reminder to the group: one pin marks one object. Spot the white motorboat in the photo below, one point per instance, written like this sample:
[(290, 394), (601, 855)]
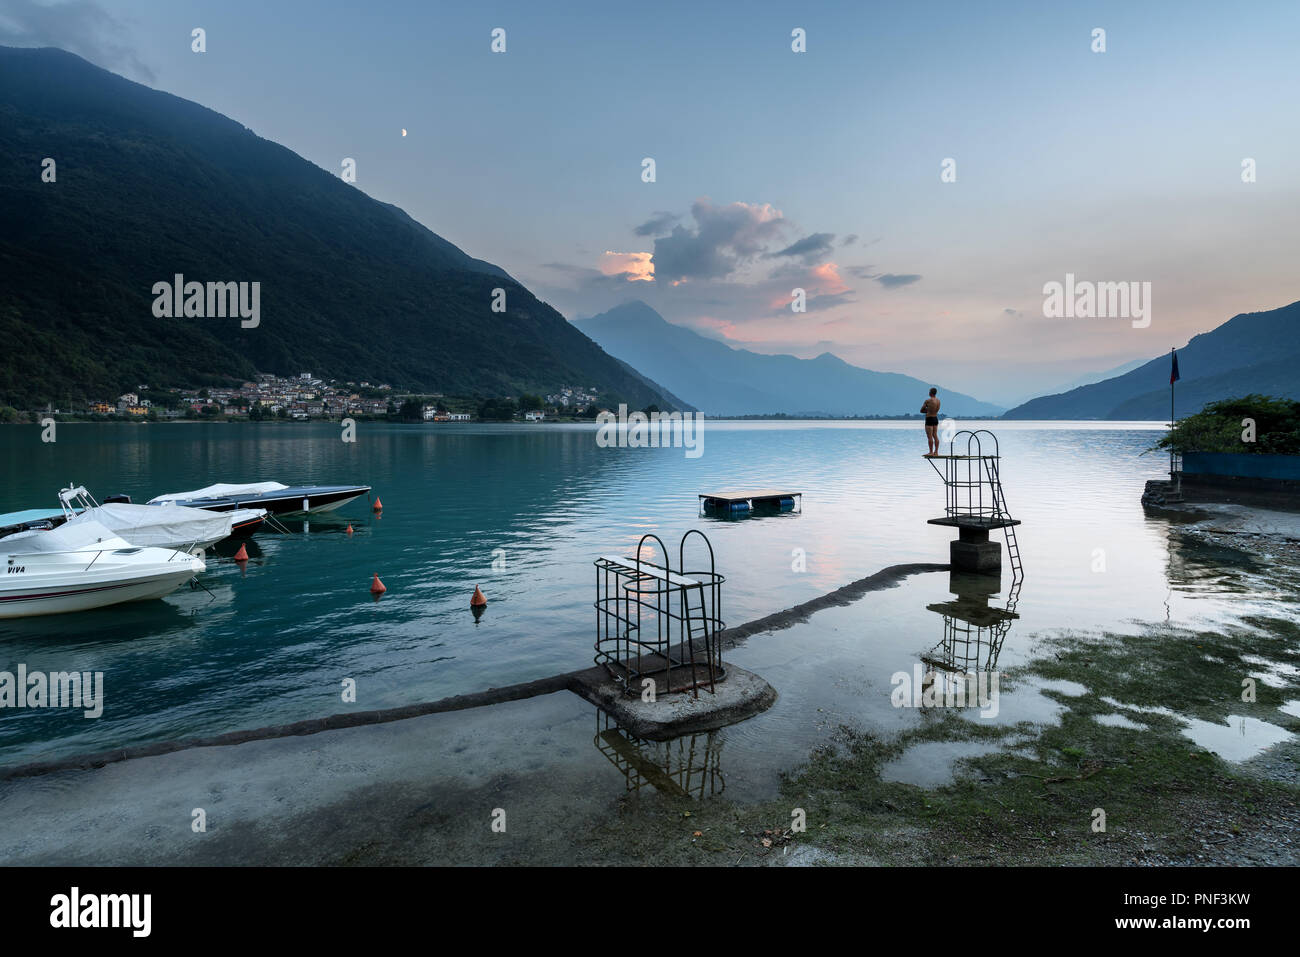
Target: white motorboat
[(160, 526), (76, 567)]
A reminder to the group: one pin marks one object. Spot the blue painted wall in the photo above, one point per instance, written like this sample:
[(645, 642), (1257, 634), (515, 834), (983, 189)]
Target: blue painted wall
[(1247, 466)]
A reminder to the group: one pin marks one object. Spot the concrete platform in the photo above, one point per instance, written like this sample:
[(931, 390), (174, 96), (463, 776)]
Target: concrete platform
[(741, 694), (973, 522)]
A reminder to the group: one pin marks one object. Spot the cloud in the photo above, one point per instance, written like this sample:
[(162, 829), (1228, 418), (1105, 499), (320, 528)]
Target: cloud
[(633, 267), (828, 279), (656, 225), (724, 238), (849, 240), (823, 286), (78, 26), (725, 328), (810, 249), (891, 281), (569, 268)]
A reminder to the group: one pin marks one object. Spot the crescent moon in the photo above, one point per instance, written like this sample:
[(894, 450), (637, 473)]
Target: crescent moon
[(403, 132)]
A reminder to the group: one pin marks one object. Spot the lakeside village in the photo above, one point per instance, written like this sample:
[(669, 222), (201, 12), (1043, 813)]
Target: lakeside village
[(305, 397)]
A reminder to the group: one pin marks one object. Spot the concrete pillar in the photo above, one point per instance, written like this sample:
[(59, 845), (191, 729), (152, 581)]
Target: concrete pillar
[(973, 552)]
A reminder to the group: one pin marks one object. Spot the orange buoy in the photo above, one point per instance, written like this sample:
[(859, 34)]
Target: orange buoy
[(377, 587), (242, 554), (349, 528), (478, 601), (379, 504)]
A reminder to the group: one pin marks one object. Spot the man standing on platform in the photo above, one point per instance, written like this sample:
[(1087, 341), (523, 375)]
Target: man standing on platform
[(931, 409)]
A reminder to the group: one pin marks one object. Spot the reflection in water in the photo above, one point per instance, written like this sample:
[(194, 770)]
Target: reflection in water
[(689, 766), (973, 633), (1199, 567)]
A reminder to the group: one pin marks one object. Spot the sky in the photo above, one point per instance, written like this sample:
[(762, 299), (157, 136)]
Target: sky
[(777, 170)]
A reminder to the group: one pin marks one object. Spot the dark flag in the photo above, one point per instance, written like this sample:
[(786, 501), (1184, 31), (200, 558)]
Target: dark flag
[(1173, 374)]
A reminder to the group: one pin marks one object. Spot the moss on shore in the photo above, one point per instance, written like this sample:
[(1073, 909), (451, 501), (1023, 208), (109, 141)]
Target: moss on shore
[(1033, 798)]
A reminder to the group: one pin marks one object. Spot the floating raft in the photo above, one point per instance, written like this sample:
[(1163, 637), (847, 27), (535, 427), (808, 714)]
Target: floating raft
[(744, 501)]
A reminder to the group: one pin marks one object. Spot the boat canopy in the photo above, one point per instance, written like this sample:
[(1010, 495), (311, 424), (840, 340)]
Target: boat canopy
[(68, 537), (150, 525), (219, 491)]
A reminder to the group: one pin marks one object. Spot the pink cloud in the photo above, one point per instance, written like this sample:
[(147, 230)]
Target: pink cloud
[(828, 275), (823, 280), (635, 267)]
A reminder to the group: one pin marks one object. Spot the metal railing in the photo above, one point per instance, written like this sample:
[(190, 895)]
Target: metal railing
[(651, 620)]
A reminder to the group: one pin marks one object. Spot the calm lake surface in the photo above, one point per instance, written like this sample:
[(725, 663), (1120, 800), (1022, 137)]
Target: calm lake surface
[(277, 640)]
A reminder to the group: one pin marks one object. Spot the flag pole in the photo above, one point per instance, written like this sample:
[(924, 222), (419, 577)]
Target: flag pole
[(1172, 423)]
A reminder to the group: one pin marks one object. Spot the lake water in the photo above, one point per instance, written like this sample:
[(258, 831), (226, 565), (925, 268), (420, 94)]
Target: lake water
[(541, 502)]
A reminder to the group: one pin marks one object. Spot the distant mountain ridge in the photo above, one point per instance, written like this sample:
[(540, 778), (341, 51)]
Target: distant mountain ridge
[(1251, 352), (149, 185), (721, 380)]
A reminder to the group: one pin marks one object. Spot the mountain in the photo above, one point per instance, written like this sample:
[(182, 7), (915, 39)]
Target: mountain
[(1087, 378), (1251, 352), (1091, 377), (149, 185), (721, 380)]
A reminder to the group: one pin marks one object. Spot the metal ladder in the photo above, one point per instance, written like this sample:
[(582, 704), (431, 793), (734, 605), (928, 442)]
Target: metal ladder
[(1013, 544), (699, 628)]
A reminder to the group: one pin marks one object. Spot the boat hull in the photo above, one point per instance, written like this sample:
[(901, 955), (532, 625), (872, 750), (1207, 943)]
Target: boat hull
[(57, 601), (306, 500), (245, 529), (54, 583)]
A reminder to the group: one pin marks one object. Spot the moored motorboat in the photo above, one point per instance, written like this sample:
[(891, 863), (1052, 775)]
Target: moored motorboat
[(171, 526), (276, 498), (76, 567)]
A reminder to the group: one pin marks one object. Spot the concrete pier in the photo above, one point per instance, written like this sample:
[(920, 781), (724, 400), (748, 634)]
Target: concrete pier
[(972, 551), (735, 697)]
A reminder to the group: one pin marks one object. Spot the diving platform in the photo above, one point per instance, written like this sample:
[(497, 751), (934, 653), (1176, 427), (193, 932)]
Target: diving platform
[(975, 504), (741, 501), (975, 521)]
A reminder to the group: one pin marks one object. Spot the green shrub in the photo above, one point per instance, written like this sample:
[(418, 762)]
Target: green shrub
[(1220, 426)]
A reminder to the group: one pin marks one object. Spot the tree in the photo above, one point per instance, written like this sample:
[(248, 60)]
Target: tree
[(1222, 426), (496, 409)]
